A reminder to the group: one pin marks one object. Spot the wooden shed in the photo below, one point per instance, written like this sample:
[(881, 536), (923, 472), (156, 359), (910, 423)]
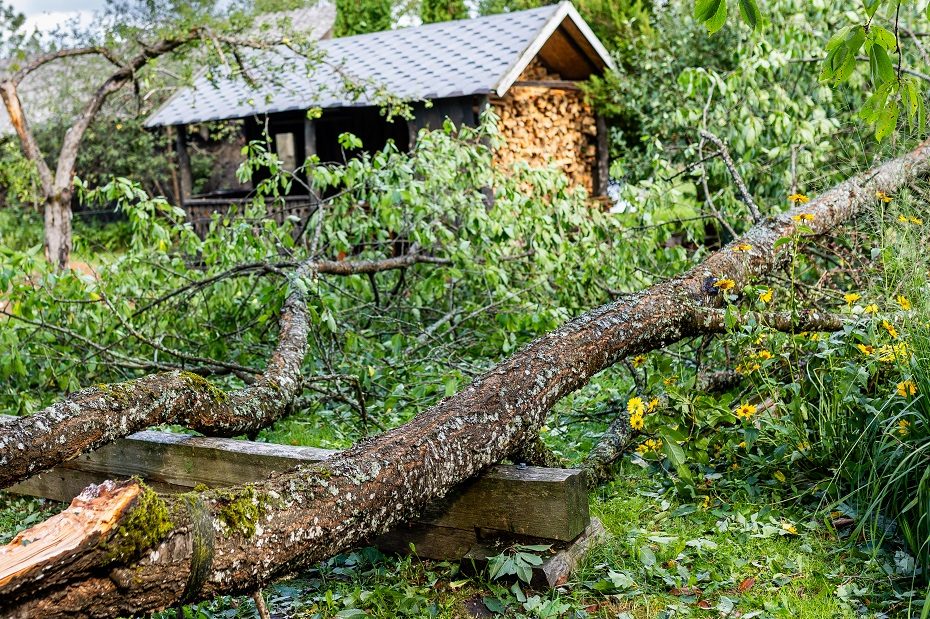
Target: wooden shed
[(527, 64)]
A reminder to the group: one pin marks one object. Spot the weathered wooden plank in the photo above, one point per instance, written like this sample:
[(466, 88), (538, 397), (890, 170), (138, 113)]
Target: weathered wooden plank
[(545, 503)]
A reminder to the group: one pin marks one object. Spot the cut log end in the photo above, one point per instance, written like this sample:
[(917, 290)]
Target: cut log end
[(90, 518)]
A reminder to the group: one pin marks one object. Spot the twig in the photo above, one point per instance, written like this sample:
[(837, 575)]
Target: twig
[(740, 183)]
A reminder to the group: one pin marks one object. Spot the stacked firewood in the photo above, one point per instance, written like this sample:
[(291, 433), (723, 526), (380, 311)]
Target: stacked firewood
[(547, 125)]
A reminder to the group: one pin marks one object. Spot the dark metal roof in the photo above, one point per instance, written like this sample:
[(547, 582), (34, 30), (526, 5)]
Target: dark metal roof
[(448, 59)]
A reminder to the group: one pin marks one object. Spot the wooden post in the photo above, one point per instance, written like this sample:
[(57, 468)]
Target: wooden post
[(601, 171), (184, 165)]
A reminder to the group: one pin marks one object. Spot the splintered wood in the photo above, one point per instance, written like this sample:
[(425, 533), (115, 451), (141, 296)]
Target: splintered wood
[(547, 125), (57, 543)]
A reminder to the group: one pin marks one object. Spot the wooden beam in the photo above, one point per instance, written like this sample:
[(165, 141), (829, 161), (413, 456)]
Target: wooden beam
[(602, 165), (184, 164), (523, 500), (553, 84)]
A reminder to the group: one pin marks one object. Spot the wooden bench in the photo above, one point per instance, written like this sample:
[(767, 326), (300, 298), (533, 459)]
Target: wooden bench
[(506, 504)]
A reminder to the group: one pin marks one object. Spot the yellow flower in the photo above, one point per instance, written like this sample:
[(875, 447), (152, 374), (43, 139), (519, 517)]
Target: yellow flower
[(764, 355), (883, 197), (903, 219), (724, 284), (814, 337), (706, 503), (917, 221), (904, 427), (653, 404), (865, 349), (907, 388), (798, 198), (787, 526), (803, 217), (747, 368), (766, 296), (904, 302), (650, 445), (639, 361), (890, 329), (742, 445), (887, 353), (779, 476), (851, 297), (745, 411), (637, 409), (742, 247), (669, 381), (871, 308)]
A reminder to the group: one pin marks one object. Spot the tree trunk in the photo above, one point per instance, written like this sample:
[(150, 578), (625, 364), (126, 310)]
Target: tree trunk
[(163, 552), (58, 229)]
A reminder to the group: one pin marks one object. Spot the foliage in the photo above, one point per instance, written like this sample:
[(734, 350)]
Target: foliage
[(361, 16), (432, 11)]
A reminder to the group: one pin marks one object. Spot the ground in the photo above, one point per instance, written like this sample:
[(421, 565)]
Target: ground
[(736, 557)]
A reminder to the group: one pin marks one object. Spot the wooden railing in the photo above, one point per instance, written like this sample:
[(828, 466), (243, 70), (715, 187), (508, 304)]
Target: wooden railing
[(201, 209)]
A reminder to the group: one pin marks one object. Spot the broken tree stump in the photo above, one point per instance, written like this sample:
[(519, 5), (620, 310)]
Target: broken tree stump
[(507, 503)]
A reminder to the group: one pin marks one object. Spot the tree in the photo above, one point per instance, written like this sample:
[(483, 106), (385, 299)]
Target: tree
[(361, 16), (432, 11), (133, 36), (133, 552)]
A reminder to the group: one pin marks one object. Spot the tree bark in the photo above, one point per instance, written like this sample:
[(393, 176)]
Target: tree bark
[(232, 541), (58, 243)]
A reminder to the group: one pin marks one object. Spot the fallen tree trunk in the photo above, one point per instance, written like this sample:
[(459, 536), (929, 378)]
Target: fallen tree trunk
[(235, 540), (91, 418)]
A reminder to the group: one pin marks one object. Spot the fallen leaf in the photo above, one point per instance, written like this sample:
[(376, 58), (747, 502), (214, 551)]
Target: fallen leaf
[(746, 585)]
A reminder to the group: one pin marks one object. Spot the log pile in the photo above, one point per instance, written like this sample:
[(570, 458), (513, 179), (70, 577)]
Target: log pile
[(547, 125)]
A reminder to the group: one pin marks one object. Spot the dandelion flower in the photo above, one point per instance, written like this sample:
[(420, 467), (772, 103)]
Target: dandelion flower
[(724, 284), (787, 527), (766, 296), (904, 302), (903, 219), (798, 198), (917, 221), (883, 197), (745, 411), (851, 297), (904, 427), (907, 388), (742, 247), (871, 308)]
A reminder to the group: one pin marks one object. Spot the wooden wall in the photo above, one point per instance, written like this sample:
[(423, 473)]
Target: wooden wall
[(545, 121)]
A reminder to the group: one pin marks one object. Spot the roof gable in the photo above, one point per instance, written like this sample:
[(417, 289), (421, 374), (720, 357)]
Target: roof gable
[(483, 55)]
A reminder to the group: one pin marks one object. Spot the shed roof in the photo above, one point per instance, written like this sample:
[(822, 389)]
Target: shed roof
[(465, 57)]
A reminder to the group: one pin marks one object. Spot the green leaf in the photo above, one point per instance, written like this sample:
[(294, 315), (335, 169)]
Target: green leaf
[(881, 66), (716, 22), (887, 121), (705, 10), (750, 13), (871, 6), (883, 37)]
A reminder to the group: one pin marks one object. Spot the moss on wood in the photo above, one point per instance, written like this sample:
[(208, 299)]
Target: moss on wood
[(146, 525)]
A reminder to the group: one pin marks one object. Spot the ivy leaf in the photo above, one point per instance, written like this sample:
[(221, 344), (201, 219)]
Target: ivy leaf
[(887, 121), (750, 13)]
